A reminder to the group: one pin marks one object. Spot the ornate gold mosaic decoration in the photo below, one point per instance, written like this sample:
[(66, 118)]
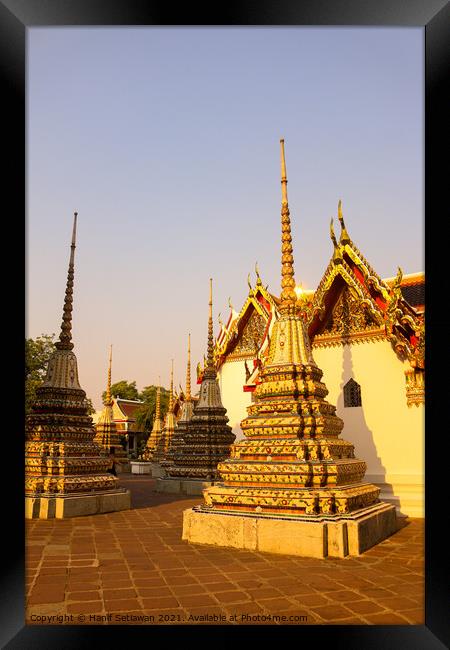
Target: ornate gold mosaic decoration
[(61, 457), (106, 429), (292, 461), (208, 437)]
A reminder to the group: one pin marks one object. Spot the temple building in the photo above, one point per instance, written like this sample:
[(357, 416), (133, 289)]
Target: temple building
[(206, 439), (106, 429), (65, 470), (292, 485), (367, 335)]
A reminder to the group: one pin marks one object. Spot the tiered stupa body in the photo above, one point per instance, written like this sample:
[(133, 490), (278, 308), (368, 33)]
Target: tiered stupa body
[(155, 434), (106, 429), (208, 437), (292, 463), (187, 409), (65, 470)]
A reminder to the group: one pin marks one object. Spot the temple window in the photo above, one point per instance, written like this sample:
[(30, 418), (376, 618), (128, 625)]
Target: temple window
[(352, 393)]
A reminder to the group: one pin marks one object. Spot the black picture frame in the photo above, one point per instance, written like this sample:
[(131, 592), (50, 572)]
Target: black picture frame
[(434, 16)]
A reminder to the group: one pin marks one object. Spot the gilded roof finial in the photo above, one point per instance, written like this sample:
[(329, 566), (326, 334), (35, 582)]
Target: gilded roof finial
[(188, 372), (230, 304), (337, 257), (210, 357), (108, 400), (170, 407), (258, 280), (344, 238), (288, 295), (65, 338), (249, 283), (220, 319)]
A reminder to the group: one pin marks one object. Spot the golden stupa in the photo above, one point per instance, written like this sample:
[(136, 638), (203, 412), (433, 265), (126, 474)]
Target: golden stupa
[(65, 470), (292, 485), (168, 431), (155, 434), (106, 429)]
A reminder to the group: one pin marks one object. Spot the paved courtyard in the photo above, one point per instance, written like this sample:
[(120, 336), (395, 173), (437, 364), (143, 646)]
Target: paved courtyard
[(133, 568)]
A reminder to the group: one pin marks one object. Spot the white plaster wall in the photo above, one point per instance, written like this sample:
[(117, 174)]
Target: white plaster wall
[(231, 378), (387, 434)]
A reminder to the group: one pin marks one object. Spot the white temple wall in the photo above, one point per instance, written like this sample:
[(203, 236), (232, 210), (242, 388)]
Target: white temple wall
[(387, 434), (231, 378)]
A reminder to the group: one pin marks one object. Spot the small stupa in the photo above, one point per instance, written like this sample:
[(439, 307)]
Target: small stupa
[(292, 485), (155, 433), (176, 449), (106, 429), (65, 470), (207, 438), (187, 408), (165, 440)]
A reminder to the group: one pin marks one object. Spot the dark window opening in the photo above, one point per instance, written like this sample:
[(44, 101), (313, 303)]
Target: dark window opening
[(352, 393)]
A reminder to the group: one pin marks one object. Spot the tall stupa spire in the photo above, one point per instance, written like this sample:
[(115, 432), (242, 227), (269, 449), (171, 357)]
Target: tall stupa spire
[(65, 469), (188, 372), (108, 400), (288, 295), (65, 338), (170, 408), (291, 462), (158, 401), (210, 357)]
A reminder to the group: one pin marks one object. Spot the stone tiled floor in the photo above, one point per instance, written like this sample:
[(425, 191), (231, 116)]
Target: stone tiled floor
[(132, 567)]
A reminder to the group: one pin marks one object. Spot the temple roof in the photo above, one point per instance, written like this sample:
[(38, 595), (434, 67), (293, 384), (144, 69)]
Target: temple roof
[(391, 308), (124, 409)]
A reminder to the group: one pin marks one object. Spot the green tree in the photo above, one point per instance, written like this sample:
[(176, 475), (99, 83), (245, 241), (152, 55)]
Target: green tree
[(123, 389), (37, 354), (145, 414)]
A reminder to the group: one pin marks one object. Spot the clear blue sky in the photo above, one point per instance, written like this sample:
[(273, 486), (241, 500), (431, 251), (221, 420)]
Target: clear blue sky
[(166, 142)]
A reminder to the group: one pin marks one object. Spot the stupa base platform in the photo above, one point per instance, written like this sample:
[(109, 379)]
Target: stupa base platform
[(157, 471), (140, 467), (123, 467), (80, 505), (189, 487), (305, 535)]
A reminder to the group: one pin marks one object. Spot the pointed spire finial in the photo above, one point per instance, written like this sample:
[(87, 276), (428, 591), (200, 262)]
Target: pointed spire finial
[(108, 400), (344, 238), (170, 408), (229, 303), (158, 401), (284, 198), (65, 337), (188, 372), (288, 295), (258, 277), (210, 355), (337, 257), (249, 283)]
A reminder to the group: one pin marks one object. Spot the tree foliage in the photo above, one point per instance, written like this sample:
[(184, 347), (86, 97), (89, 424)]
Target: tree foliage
[(145, 414), (37, 354), (123, 389)]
